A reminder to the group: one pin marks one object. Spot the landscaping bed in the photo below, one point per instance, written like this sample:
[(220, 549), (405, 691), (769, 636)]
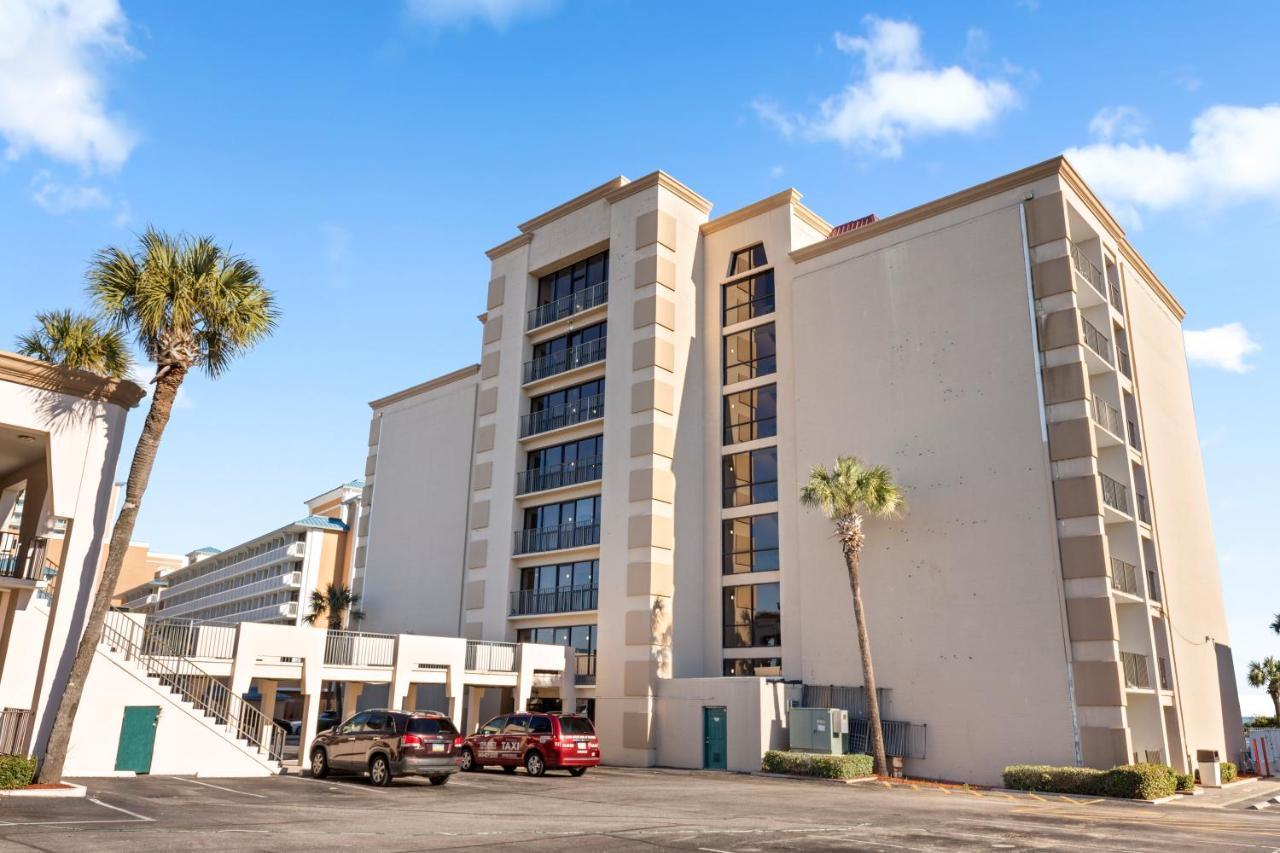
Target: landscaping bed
[(815, 766), (1146, 782)]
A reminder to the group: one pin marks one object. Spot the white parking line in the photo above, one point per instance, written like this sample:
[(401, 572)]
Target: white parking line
[(220, 788), (134, 815)]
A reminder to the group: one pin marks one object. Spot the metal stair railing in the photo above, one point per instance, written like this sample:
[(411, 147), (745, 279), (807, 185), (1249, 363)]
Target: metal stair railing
[(194, 685)]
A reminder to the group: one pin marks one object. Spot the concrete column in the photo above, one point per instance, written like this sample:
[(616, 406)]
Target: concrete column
[(351, 691), (474, 695), (454, 690), (569, 684), (8, 607), (310, 719), (268, 690), (410, 701)]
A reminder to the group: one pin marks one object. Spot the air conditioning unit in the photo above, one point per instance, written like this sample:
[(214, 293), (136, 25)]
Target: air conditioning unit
[(819, 730)]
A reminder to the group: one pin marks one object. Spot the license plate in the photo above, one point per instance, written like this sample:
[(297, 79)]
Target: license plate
[(582, 746), (437, 747)]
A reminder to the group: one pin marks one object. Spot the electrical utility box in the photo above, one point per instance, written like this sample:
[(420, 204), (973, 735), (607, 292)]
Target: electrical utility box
[(820, 730)]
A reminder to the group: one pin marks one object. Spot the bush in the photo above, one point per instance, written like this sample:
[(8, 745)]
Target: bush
[(1132, 781), (16, 771), (1228, 772), (820, 766), (1185, 781)]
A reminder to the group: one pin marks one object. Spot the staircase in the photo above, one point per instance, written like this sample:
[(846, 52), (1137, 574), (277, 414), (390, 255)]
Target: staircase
[(202, 695)]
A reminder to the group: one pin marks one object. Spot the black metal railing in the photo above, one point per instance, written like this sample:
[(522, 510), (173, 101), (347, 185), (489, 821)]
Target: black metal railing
[(577, 412), (852, 699), (1089, 270), (574, 535), (1115, 494), (567, 306), (16, 564), (555, 476), (584, 668), (901, 739), (562, 361), (565, 599)]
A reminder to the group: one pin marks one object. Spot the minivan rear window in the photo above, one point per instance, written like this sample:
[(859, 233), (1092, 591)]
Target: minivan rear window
[(576, 726), (431, 726)]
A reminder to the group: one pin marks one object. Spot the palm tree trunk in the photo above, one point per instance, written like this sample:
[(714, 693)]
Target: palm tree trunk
[(876, 735), (1275, 700), (144, 457)]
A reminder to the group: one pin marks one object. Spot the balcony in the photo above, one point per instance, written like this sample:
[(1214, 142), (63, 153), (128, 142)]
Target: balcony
[(567, 306), (556, 476), (1108, 417), (1122, 358), (292, 551), (1137, 672), (1095, 340), (584, 668), (577, 412), (200, 601), (1124, 577), (1115, 494), (1113, 288), (569, 599), (355, 648), (1153, 585), (1088, 270), (573, 535), (562, 361), (17, 564), (490, 657), (1144, 510)]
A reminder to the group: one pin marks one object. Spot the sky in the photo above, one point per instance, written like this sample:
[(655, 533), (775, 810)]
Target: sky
[(365, 155)]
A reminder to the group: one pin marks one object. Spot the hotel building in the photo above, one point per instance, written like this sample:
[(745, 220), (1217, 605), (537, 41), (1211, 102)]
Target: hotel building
[(620, 473)]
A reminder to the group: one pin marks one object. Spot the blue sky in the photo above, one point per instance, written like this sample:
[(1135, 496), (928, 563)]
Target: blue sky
[(366, 154)]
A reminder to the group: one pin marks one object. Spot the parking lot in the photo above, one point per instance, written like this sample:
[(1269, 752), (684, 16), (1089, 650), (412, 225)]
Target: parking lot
[(608, 809)]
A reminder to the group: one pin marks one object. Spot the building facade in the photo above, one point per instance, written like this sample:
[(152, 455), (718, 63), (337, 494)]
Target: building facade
[(654, 386), (267, 579)]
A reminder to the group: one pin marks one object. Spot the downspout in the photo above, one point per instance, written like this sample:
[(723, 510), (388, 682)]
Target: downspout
[(1044, 439)]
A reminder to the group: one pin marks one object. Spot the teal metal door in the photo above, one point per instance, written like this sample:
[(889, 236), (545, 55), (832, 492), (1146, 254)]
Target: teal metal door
[(137, 738), (715, 739)]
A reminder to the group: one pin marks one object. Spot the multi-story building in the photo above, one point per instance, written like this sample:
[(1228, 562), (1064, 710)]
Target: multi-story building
[(269, 578), (654, 386)]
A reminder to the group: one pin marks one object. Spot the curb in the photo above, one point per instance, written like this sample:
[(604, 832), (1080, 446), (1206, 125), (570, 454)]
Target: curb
[(70, 789), (1088, 798), (856, 781)]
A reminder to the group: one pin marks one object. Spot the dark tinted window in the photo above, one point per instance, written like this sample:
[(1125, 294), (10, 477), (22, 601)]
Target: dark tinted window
[(379, 722), (540, 725), (749, 354), (748, 297), (493, 726), (356, 723), (747, 259), (517, 724), (573, 278), (751, 414), (752, 616), (751, 544), (431, 726), (576, 726), (753, 666), (750, 477)]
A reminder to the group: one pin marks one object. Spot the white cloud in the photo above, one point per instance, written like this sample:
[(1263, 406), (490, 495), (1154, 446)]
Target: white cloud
[(1231, 158), (1224, 347), (900, 95), (56, 197), (460, 13), (1117, 123), (51, 86)]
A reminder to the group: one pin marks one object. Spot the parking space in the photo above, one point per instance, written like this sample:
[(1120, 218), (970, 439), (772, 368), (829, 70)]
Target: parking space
[(608, 809)]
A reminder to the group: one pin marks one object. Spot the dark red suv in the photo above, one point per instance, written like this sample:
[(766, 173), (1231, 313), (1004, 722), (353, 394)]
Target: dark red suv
[(538, 742), (386, 744)]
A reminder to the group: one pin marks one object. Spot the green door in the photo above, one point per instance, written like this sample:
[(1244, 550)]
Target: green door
[(715, 739), (137, 738)]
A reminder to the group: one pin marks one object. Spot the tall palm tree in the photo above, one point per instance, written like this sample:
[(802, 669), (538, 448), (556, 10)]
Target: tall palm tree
[(77, 341), (335, 603), (189, 304), (845, 494), (1267, 676)]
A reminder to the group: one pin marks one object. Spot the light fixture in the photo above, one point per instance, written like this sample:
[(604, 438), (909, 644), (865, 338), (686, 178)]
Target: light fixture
[(22, 436)]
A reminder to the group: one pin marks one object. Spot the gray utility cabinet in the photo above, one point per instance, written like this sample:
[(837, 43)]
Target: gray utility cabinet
[(821, 730)]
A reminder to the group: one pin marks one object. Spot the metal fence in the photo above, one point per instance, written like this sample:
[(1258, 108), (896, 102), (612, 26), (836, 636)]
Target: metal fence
[(565, 599), (490, 657), (189, 638), (567, 306), (1115, 494), (901, 739), (851, 699), (14, 563), (565, 360), (1095, 340), (355, 648), (15, 730), (1089, 270)]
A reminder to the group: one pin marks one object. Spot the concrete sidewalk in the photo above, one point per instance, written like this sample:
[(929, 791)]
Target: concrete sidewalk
[(1242, 795)]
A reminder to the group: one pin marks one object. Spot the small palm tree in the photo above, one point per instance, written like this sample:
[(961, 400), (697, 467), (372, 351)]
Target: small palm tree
[(79, 342), (846, 493), (335, 603), (189, 304), (1267, 676)]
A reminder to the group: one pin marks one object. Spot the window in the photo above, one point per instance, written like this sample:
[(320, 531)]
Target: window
[(750, 477), (748, 297), (494, 726), (749, 353), (355, 724), (753, 666), (752, 616), (573, 278), (747, 259), (577, 348), (540, 725), (750, 544), (379, 723), (751, 414), (576, 726), (431, 726), (562, 465), (579, 513), (564, 576), (567, 397), (517, 724), (581, 637)]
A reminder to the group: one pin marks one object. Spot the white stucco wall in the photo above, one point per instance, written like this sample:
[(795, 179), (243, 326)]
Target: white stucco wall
[(755, 712)]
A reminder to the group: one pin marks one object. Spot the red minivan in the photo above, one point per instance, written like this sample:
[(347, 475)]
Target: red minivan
[(538, 742)]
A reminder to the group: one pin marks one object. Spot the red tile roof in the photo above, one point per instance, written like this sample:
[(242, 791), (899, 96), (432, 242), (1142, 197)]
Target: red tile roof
[(853, 225)]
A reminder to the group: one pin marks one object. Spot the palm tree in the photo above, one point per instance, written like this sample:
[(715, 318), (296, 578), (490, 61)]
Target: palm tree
[(1267, 675), (79, 342), (189, 304), (845, 494), (336, 602), (1275, 625)]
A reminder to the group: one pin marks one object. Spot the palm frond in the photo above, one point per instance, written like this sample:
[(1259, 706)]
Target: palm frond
[(79, 342), (850, 488)]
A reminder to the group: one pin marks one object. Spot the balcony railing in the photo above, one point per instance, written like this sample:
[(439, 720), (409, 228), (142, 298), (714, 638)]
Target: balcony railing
[(575, 535), (1153, 585), (1164, 674), (577, 412), (1122, 358), (1089, 270), (356, 648), (1137, 672), (1107, 416), (567, 306), (1144, 510), (199, 578), (490, 657), (17, 565), (1095, 340), (1124, 577), (1113, 288), (555, 476), (200, 601), (567, 599), (189, 638), (1135, 441), (584, 668), (1115, 494), (562, 361)]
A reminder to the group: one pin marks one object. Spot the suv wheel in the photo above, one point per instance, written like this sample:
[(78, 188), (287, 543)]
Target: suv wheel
[(534, 765), (468, 760), (379, 771), (319, 763)]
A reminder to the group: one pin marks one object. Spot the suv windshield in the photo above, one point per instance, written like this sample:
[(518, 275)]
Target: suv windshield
[(576, 726), (431, 726)]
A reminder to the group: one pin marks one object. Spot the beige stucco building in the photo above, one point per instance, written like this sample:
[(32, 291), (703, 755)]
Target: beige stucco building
[(1052, 594)]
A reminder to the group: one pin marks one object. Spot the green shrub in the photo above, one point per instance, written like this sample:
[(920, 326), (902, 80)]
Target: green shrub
[(16, 771), (1058, 780), (1139, 781), (1228, 772), (1185, 781), (820, 766)]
